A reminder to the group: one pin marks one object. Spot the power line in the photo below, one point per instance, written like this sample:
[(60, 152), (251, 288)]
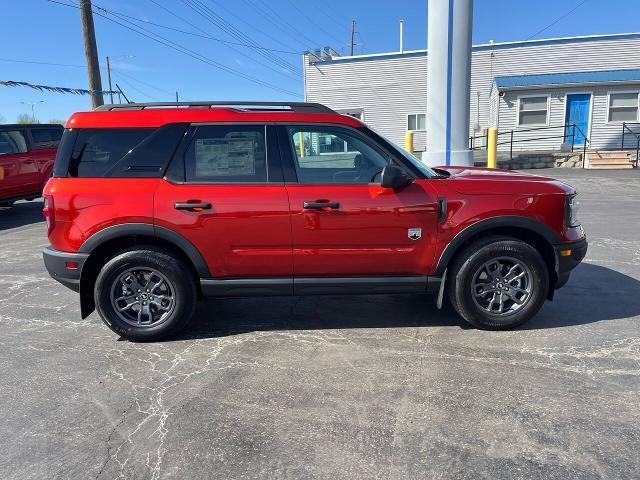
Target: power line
[(185, 32), (325, 12), (313, 22), (234, 31), (231, 30), (562, 17), (184, 50), (41, 63), (115, 69), (273, 17), (140, 91), (251, 26), (134, 79)]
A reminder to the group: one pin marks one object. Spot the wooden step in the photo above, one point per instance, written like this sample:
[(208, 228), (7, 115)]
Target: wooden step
[(620, 166), (608, 159)]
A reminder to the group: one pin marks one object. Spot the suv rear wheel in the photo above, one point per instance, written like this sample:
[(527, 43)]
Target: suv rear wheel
[(498, 283), (145, 294)]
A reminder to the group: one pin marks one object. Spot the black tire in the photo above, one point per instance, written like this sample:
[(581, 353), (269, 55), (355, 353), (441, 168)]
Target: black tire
[(464, 272), (179, 284)]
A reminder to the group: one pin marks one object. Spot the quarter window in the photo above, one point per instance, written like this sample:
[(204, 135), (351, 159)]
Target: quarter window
[(533, 110), (97, 150), (227, 154), (12, 141), (416, 121), (623, 107), (326, 155)]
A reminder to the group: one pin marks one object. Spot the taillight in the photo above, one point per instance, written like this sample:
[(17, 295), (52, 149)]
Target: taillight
[(49, 213)]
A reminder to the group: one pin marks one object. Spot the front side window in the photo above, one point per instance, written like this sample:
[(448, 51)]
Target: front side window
[(533, 111), (227, 154), (12, 141), (97, 150), (416, 121), (46, 137), (623, 107), (326, 155)]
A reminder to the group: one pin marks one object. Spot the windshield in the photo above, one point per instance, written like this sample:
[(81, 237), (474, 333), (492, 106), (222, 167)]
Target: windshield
[(414, 161)]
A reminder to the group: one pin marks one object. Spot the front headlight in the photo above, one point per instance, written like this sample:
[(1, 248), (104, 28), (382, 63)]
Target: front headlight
[(572, 210)]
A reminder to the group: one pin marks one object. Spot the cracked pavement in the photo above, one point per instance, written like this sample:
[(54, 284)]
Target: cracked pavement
[(330, 387)]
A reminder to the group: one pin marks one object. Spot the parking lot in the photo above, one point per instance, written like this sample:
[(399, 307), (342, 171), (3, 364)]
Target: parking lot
[(330, 387)]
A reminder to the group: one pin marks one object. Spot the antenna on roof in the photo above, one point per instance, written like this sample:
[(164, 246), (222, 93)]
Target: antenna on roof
[(125, 97)]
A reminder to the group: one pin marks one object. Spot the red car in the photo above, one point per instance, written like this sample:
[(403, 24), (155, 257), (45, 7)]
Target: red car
[(154, 206), (26, 160)]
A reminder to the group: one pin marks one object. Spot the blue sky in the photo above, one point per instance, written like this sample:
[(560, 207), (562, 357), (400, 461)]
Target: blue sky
[(41, 31)]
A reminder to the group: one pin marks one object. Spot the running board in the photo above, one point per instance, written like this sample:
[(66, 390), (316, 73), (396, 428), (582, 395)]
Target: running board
[(275, 286)]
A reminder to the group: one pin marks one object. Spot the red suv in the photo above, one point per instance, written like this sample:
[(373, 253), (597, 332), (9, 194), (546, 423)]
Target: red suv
[(154, 206), (26, 160)]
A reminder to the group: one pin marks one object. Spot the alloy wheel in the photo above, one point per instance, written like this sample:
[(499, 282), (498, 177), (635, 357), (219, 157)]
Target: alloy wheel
[(502, 286), (142, 297)]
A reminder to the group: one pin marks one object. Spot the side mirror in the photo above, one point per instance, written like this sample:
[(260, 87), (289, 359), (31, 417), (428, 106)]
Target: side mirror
[(394, 177)]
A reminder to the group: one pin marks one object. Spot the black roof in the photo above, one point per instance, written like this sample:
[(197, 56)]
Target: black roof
[(301, 107), (13, 126)]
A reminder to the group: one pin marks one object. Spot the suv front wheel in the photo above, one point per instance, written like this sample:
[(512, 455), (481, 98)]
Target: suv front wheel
[(145, 294), (498, 283)]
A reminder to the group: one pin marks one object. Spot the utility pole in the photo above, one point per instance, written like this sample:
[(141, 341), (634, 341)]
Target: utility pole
[(353, 34), (91, 52), (109, 77)]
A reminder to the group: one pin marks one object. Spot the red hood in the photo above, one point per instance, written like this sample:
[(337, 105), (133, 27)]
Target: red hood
[(474, 180)]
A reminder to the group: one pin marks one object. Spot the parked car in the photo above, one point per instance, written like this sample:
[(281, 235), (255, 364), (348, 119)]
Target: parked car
[(27, 153), (154, 206)]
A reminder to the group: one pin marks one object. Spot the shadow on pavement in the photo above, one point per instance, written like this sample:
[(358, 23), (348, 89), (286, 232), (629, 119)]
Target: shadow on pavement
[(22, 213), (593, 294), (235, 316)]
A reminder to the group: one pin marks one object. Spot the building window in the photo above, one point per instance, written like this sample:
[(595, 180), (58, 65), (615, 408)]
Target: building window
[(533, 111), (623, 107), (416, 121)]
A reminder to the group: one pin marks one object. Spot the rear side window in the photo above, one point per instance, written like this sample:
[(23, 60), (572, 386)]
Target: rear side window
[(227, 154), (12, 141), (46, 137), (97, 150)]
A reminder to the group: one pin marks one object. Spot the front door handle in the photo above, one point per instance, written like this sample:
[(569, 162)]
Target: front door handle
[(320, 205), (194, 206)]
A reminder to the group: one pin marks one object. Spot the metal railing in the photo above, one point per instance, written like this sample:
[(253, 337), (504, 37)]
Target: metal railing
[(626, 130), (568, 135)]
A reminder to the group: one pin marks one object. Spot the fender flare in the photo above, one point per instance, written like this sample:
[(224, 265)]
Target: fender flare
[(150, 230), (524, 223)]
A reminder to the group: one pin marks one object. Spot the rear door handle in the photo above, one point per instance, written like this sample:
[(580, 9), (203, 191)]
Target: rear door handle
[(320, 205), (195, 206)]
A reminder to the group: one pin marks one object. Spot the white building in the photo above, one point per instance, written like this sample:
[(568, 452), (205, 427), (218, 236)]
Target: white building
[(537, 88)]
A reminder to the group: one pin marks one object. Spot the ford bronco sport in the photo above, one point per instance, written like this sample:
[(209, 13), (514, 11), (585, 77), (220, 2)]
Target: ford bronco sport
[(26, 160), (154, 206)]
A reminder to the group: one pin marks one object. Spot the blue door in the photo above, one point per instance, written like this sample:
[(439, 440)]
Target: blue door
[(578, 110)]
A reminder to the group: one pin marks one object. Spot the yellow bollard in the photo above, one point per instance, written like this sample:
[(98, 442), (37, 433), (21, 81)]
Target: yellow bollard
[(408, 141), (301, 139), (492, 148)]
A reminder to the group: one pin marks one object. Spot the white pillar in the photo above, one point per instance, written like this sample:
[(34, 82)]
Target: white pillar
[(448, 82)]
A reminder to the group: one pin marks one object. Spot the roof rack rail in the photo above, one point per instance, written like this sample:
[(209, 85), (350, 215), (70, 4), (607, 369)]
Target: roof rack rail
[(302, 107)]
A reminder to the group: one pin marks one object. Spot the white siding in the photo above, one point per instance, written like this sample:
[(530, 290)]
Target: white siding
[(389, 87), (602, 134)]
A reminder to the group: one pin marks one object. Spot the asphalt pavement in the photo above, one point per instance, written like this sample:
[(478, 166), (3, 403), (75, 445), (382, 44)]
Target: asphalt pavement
[(330, 387)]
